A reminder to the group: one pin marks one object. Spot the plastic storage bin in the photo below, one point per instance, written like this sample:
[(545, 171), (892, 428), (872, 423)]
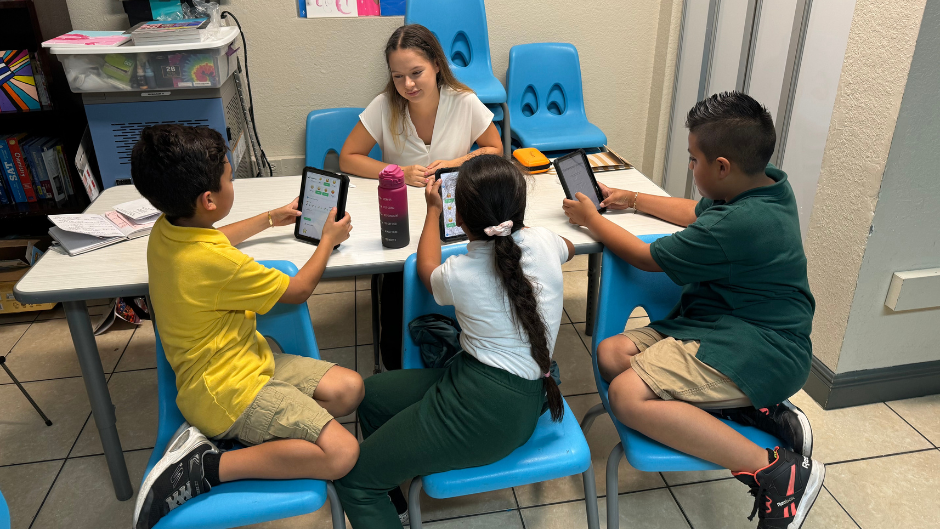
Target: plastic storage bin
[(205, 64)]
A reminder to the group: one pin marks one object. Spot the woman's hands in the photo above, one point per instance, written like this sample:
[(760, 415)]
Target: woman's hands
[(415, 175), (432, 195), (616, 198), (437, 164), (286, 215)]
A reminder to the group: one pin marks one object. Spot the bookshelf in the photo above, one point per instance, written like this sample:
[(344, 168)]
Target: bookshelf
[(20, 29)]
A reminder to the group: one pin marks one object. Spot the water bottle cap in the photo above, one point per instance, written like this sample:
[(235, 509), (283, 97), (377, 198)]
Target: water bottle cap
[(391, 177)]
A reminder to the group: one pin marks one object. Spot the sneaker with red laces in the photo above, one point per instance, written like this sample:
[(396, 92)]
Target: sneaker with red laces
[(784, 421), (785, 490)]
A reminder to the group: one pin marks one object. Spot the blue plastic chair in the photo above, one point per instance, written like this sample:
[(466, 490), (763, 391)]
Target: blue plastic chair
[(4, 514), (460, 27), (248, 501), (555, 450), (622, 289), (327, 130), (546, 101)]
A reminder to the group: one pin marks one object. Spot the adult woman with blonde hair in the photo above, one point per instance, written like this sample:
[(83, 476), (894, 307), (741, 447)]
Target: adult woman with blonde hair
[(424, 120)]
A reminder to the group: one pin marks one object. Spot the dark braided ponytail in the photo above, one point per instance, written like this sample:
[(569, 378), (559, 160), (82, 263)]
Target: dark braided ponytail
[(491, 190)]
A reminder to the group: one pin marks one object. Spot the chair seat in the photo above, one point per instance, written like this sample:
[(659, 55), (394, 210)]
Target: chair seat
[(486, 86), (555, 450), (247, 502), (565, 135), (648, 455)]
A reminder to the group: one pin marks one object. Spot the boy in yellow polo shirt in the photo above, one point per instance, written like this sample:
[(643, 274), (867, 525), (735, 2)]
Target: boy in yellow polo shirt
[(205, 294)]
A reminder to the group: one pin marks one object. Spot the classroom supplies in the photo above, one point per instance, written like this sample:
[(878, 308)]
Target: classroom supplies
[(320, 192), (169, 32), (450, 231), (393, 207), (532, 159), (608, 160), (120, 67), (81, 38), (80, 233), (17, 85)]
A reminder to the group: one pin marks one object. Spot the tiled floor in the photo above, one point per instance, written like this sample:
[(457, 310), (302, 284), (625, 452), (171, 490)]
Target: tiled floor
[(883, 460)]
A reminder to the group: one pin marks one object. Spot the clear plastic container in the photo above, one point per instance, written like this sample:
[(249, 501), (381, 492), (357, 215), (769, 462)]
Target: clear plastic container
[(205, 64)]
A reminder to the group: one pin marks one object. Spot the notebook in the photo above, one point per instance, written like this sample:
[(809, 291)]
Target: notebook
[(81, 233)]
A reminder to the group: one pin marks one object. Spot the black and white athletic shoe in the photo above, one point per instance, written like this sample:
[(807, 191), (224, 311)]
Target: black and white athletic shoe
[(785, 490), (175, 479), (784, 421)]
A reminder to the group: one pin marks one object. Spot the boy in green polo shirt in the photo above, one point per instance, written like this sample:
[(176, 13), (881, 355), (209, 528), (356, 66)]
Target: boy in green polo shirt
[(737, 343)]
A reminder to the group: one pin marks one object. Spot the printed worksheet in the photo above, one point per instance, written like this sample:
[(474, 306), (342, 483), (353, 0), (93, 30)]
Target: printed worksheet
[(95, 225), (332, 8), (137, 209)]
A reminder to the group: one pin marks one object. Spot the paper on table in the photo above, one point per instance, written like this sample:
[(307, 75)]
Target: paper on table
[(95, 225), (128, 226), (137, 209)]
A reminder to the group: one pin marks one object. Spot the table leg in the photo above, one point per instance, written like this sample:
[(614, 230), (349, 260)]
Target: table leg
[(97, 388), (376, 323), (594, 279), (507, 135)]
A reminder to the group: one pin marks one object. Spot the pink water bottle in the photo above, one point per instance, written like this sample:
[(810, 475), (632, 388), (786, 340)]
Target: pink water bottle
[(393, 207)]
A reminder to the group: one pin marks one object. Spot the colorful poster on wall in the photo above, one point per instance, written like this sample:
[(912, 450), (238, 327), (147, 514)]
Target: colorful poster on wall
[(17, 86), (391, 8), (332, 8), (369, 8)]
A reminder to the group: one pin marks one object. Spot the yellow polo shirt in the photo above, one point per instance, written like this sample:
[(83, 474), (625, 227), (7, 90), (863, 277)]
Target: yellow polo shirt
[(205, 294)]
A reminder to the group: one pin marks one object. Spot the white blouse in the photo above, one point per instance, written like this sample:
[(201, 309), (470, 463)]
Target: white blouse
[(461, 119)]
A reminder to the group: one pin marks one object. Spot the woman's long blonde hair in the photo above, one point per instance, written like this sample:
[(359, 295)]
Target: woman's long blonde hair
[(415, 37)]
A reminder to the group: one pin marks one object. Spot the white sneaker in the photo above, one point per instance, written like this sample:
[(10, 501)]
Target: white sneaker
[(175, 479), (404, 518)]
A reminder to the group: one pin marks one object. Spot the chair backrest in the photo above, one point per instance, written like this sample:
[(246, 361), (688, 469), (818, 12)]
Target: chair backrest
[(327, 130), (418, 302), (623, 288), (543, 82), (460, 27), (288, 324), (4, 514)]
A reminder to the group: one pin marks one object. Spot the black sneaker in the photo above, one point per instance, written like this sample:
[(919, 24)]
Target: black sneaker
[(784, 421), (785, 490), (177, 478)]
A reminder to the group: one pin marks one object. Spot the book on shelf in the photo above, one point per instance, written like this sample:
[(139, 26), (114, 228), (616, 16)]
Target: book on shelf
[(17, 84), (83, 165), (81, 233), (33, 168), (169, 32), (82, 38), (12, 143)]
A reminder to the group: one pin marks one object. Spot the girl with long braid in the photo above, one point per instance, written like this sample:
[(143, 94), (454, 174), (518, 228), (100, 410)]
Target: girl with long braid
[(507, 291)]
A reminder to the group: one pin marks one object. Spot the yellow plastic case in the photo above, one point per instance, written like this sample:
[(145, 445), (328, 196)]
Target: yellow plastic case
[(532, 159)]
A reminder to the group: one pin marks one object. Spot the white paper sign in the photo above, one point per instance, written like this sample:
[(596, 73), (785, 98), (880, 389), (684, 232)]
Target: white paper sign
[(332, 8), (95, 225), (137, 209)]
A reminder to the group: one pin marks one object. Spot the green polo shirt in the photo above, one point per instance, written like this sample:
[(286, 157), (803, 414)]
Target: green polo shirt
[(745, 295)]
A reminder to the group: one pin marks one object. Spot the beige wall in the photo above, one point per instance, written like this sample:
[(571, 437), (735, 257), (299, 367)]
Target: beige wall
[(874, 74), (627, 50)]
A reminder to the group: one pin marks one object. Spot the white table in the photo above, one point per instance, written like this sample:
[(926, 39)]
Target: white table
[(121, 269)]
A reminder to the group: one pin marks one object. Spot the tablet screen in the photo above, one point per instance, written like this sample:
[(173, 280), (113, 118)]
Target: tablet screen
[(321, 194), (578, 178), (448, 193)]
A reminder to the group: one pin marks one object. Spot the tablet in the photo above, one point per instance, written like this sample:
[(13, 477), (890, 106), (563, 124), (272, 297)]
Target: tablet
[(576, 176), (320, 191), (450, 231)]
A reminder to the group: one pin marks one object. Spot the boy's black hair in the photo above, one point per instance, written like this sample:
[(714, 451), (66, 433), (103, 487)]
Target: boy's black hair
[(735, 126), (491, 190), (172, 165)]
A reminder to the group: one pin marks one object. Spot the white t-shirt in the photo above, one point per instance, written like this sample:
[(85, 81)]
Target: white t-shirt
[(472, 285), (461, 119)]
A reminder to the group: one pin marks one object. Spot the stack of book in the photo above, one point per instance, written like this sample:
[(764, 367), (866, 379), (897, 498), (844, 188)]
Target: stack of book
[(85, 232), (34, 168), (169, 32)]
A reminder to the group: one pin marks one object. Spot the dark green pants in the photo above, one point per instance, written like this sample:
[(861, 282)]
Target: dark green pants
[(424, 421)]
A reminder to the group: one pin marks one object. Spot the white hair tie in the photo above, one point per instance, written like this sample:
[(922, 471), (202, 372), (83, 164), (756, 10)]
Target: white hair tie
[(500, 230)]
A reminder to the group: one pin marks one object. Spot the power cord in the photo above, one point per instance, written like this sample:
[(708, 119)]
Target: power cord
[(251, 103)]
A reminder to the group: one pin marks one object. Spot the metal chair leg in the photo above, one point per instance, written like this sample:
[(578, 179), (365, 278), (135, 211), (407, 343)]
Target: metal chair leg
[(594, 281), (507, 136), (613, 482), (336, 507), (590, 498), (593, 413), (3, 364), (414, 503), (376, 322)]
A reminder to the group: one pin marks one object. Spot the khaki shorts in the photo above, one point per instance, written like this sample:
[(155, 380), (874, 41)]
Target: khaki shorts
[(284, 408), (669, 367)]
